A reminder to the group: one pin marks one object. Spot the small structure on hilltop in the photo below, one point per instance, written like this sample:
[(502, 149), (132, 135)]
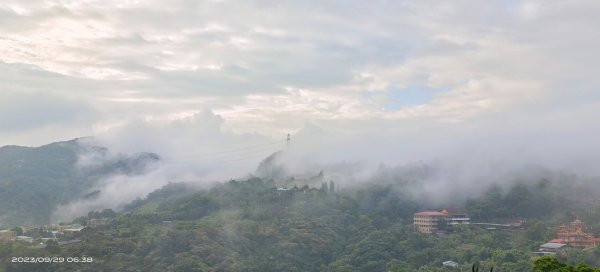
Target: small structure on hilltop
[(430, 222), (574, 235)]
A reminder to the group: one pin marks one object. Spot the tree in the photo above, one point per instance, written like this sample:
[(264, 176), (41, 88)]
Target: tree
[(551, 264), (108, 213), (324, 186), (52, 246), (18, 231)]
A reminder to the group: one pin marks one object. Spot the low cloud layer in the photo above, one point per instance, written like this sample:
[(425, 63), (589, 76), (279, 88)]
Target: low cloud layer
[(458, 160)]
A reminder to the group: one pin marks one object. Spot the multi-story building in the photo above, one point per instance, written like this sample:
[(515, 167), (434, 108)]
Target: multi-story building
[(456, 217), (574, 235), (433, 221), (428, 222)]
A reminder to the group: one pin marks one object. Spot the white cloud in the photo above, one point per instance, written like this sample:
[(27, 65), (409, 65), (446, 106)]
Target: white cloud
[(270, 68)]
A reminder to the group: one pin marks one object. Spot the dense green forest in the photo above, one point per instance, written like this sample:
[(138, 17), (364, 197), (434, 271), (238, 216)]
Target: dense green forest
[(250, 225), (34, 181)]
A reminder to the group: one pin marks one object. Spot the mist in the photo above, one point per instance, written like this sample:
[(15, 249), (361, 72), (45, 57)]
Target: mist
[(460, 159), (192, 149), (468, 87)]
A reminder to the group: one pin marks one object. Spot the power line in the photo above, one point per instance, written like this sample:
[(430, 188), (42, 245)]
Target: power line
[(225, 156), (248, 156), (229, 156), (218, 153)]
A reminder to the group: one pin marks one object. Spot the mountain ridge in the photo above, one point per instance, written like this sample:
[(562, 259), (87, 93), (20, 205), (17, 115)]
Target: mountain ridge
[(35, 180)]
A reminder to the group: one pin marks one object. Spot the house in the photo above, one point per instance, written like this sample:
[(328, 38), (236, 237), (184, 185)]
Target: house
[(429, 222), (553, 247), (574, 235), (7, 235)]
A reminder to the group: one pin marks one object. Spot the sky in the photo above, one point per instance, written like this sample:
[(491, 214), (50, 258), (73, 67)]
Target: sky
[(377, 80), (479, 89)]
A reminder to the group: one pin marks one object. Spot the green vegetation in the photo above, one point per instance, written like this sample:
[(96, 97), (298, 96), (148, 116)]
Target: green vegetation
[(551, 264), (251, 226), (34, 181)]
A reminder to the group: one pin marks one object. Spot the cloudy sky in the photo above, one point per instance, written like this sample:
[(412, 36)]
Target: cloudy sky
[(256, 70)]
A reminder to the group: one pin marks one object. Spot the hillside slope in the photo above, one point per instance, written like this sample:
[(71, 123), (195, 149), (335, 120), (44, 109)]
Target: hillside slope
[(250, 225), (34, 180)]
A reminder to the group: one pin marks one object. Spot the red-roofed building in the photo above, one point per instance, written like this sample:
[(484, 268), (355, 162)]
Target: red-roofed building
[(574, 235), (427, 222), (558, 241)]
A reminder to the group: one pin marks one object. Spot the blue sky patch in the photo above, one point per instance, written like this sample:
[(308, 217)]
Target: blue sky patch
[(398, 98)]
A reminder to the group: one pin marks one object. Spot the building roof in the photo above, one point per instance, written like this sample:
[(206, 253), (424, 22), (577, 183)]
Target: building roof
[(431, 213), (559, 241), (553, 245), (452, 211)]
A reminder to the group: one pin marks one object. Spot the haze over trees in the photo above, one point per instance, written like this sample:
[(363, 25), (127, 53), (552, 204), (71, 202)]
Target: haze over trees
[(35, 181), (250, 225)]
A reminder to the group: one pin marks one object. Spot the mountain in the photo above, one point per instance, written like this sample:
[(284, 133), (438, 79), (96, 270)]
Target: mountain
[(256, 225), (251, 225), (34, 180)]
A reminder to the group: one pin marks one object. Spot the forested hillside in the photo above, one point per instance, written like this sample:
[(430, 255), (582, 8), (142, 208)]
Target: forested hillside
[(33, 181), (250, 225)]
